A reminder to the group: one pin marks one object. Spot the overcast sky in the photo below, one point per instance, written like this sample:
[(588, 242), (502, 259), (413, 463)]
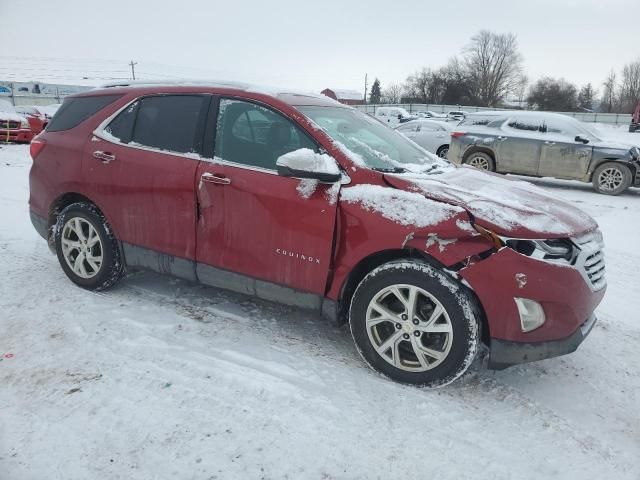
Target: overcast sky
[(303, 44)]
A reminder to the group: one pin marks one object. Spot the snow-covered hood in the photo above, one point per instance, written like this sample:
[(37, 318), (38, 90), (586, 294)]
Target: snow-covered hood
[(508, 207), (612, 144), (13, 117)]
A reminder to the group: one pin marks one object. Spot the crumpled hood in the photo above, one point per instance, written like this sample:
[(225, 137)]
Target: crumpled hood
[(509, 207)]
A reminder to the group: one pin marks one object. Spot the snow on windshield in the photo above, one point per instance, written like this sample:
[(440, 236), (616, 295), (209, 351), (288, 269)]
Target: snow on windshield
[(368, 142), (405, 208)]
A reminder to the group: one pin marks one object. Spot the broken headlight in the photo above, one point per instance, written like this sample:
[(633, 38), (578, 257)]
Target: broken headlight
[(557, 249), (554, 250)]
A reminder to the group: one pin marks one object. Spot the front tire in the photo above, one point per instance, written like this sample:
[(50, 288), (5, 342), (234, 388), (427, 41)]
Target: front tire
[(87, 250), (414, 324), (612, 178)]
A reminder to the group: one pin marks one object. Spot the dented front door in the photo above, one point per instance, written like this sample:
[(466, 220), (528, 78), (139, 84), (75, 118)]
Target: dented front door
[(259, 224)]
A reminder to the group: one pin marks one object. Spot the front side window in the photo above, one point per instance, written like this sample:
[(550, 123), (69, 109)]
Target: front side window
[(373, 144), (168, 122), (250, 134), (121, 127)]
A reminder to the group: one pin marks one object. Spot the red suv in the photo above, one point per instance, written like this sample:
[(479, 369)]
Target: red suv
[(298, 199)]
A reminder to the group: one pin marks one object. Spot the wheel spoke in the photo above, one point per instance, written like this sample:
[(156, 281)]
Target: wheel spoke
[(78, 265), (384, 311), (77, 227), (390, 342), (435, 328), (418, 352), (435, 354)]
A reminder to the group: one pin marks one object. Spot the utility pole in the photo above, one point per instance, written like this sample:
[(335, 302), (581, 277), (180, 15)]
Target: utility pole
[(133, 69), (365, 88)]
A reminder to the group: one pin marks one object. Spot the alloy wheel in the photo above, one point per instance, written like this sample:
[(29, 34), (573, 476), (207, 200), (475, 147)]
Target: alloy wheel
[(443, 153), (610, 179), (81, 247), (409, 328), (479, 162)]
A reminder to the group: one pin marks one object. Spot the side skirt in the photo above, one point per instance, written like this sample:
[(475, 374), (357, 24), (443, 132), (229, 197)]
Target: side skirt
[(192, 271)]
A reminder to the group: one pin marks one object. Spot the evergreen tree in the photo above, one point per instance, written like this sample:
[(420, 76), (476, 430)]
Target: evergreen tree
[(586, 97), (374, 96)]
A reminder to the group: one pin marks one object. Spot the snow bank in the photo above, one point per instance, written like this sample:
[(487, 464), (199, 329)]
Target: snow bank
[(405, 208), (307, 160)]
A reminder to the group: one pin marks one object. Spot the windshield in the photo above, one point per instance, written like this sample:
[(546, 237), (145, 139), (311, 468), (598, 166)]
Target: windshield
[(370, 142)]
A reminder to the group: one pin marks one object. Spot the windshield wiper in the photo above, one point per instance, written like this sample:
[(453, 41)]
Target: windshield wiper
[(390, 170)]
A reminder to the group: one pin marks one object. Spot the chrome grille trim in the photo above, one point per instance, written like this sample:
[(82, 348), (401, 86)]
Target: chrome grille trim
[(590, 259)]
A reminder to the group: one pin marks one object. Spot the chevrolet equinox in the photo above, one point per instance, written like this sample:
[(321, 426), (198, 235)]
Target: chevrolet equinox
[(298, 199)]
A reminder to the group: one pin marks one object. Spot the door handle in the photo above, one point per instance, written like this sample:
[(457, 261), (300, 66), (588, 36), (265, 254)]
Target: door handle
[(549, 143), (502, 139), (104, 157), (213, 178)]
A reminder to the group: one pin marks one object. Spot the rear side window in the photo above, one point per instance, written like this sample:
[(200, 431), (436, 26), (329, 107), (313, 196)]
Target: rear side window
[(121, 127), (169, 122), (76, 110)]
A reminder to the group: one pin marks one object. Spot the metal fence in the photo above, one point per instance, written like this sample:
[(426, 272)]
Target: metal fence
[(609, 118), (19, 100)]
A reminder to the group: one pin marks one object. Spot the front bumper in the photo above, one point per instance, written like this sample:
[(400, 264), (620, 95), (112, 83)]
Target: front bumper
[(15, 135), (504, 354)]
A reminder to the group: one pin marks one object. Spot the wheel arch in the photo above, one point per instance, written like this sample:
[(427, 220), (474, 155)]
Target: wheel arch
[(368, 264), (603, 161), (374, 260), (475, 148)]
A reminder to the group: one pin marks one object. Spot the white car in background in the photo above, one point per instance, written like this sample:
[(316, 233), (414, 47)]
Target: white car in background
[(431, 135), (457, 115), (393, 115), (433, 115)]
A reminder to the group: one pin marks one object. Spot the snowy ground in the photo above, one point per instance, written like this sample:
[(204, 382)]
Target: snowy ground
[(159, 378)]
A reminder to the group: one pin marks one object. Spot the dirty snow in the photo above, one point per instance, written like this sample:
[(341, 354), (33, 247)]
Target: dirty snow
[(405, 208), (158, 378)]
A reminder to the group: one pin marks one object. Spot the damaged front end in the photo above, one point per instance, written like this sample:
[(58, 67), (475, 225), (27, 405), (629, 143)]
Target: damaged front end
[(538, 296)]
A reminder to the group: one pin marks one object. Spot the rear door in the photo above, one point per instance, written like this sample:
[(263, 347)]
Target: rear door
[(518, 146), (141, 170), (253, 221)]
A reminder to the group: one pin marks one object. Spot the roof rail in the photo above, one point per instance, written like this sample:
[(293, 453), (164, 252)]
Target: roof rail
[(202, 83)]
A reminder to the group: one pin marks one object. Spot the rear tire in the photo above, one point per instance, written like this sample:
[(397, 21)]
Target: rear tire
[(414, 324), (481, 160), (612, 178), (443, 151), (87, 250)]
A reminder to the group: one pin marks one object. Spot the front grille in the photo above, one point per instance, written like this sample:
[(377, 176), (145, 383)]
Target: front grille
[(590, 259), (11, 124)]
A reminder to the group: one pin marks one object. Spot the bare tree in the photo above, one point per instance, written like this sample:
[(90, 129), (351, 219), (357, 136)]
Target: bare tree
[(630, 86), (494, 63), (519, 91), (393, 93), (417, 85), (609, 95)]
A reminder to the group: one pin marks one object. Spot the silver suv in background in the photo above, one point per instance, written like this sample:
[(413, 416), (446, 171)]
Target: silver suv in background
[(544, 145)]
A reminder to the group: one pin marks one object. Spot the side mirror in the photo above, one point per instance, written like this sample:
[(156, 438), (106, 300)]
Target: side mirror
[(399, 116), (581, 139), (305, 163)]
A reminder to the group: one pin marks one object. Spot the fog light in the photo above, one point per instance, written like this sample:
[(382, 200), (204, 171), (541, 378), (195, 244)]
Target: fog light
[(531, 314)]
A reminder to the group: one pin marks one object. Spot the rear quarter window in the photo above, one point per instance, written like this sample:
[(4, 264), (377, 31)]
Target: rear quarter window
[(76, 110)]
